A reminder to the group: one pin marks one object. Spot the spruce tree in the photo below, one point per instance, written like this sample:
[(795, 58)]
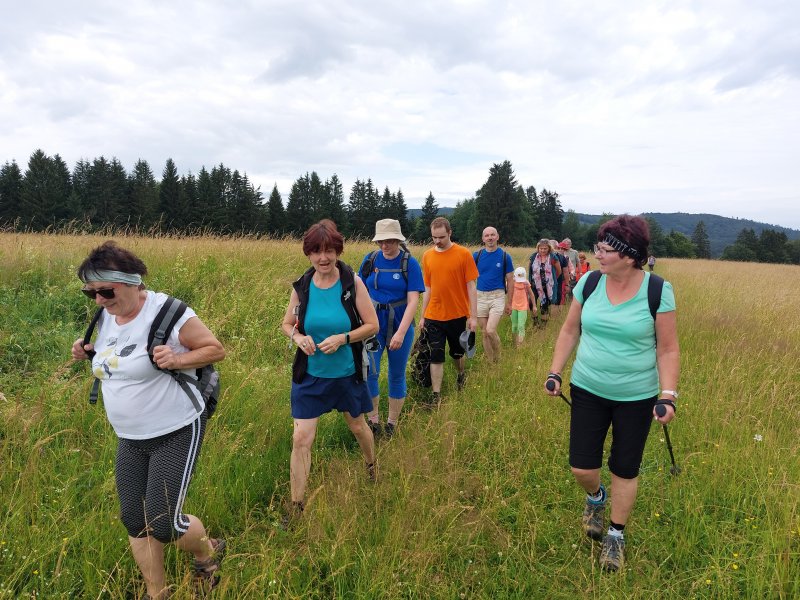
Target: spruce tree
[(10, 193), (430, 210), (702, 245), (276, 216), (497, 203), (142, 195), (171, 204)]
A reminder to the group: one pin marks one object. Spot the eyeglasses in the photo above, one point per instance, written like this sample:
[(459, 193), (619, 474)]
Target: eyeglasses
[(598, 250), (107, 293)]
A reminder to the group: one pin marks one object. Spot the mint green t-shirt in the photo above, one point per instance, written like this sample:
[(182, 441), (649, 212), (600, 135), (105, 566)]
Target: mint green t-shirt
[(325, 317), (616, 356)]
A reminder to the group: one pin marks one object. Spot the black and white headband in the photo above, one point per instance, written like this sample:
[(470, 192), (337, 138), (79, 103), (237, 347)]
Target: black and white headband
[(621, 246)]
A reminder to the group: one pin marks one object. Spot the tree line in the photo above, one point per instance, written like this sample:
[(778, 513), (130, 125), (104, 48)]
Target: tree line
[(100, 193)]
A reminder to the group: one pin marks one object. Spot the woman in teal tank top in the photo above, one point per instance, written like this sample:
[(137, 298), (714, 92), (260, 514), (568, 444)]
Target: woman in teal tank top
[(619, 376), (328, 317)]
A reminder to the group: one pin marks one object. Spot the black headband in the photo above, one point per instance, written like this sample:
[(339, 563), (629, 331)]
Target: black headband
[(621, 246)]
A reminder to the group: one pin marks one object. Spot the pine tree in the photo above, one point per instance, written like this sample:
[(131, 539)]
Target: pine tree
[(106, 186), (10, 193), (276, 216), (430, 210), (142, 195), (702, 245), (171, 205), (498, 203), (552, 215), (45, 191), (332, 206)]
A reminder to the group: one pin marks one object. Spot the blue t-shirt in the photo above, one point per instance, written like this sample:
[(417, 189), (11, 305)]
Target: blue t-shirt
[(616, 356), (492, 269), (325, 316), (391, 286)]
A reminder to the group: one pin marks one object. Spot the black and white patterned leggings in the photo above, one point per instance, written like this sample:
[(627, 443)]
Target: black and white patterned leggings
[(152, 478)]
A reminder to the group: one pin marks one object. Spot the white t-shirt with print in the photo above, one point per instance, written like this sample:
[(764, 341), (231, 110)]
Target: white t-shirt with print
[(141, 402)]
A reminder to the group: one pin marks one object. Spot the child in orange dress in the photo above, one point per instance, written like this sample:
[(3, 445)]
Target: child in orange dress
[(519, 304)]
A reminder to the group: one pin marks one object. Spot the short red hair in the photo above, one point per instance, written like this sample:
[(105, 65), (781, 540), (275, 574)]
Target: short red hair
[(323, 236)]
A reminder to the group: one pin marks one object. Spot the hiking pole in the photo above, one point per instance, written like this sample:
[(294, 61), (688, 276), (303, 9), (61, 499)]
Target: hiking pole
[(551, 385), (661, 411)]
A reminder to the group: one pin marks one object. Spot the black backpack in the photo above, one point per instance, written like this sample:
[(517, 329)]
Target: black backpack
[(369, 265), (207, 381), (654, 288)]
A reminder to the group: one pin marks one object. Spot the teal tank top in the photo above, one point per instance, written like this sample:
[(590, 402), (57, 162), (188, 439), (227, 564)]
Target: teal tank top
[(326, 316)]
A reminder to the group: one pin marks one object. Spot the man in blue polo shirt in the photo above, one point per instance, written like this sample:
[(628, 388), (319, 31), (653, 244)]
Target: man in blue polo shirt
[(495, 285)]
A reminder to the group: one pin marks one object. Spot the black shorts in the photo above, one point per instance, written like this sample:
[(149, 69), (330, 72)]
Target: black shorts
[(591, 416), (436, 332)]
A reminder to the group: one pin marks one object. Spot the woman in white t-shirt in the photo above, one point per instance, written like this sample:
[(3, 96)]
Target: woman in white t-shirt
[(160, 428)]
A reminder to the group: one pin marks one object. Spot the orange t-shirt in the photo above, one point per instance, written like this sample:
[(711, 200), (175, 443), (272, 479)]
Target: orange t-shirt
[(519, 301), (446, 274)]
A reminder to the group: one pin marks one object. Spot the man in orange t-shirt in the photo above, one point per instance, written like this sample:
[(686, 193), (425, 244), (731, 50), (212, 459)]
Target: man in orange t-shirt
[(449, 303)]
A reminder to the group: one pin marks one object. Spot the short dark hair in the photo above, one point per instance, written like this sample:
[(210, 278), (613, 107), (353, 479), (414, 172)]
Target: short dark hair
[(323, 236), (109, 256), (441, 222), (633, 231)]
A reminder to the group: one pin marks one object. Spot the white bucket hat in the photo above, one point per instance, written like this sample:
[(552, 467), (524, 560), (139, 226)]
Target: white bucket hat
[(388, 229), (519, 274)]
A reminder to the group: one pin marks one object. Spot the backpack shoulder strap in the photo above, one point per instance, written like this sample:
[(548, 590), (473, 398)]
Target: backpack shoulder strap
[(654, 288), (87, 338), (164, 323), (592, 279), (368, 265)]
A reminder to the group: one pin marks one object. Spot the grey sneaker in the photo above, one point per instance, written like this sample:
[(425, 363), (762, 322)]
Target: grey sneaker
[(593, 519), (612, 555)]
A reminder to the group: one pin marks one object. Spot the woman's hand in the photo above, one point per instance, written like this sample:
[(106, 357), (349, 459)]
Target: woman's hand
[(78, 350), (305, 343), (332, 343), (668, 415), (166, 358), (397, 340)]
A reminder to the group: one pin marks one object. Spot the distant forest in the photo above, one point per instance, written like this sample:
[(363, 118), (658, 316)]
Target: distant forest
[(100, 194)]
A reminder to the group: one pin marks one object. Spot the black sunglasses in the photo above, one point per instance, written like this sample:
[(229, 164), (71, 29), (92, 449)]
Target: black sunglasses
[(107, 293)]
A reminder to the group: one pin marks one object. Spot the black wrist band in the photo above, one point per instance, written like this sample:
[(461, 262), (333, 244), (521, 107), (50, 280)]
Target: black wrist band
[(664, 401), (347, 338), (555, 376)]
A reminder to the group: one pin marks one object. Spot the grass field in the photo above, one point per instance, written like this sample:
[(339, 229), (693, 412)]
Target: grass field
[(473, 501)]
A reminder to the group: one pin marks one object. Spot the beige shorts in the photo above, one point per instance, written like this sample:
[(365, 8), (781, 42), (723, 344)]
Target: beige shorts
[(491, 303)]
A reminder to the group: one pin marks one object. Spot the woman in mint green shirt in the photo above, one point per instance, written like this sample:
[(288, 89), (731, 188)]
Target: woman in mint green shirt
[(627, 362)]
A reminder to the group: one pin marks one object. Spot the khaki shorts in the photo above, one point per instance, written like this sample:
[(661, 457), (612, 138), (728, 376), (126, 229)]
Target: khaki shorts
[(491, 303)]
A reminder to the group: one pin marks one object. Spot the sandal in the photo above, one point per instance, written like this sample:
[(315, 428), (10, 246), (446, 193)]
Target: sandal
[(206, 571)]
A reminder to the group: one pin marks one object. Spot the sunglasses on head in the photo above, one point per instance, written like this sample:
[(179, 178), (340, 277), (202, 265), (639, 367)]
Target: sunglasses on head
[(107, 293)]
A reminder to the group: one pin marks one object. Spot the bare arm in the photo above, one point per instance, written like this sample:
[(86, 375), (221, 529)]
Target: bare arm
[(426, 297), (568, 338), (412, 301), (472, 293), (204, 348), (667, 356), (509, 291)]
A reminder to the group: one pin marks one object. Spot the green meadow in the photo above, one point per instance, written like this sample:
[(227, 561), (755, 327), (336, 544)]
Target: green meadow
[(474, 500)]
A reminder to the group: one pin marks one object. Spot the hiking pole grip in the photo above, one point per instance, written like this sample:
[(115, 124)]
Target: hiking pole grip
[(550, 384), (661, 410)]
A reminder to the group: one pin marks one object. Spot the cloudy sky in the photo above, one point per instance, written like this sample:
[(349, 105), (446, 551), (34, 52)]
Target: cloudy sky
[(666, 106)]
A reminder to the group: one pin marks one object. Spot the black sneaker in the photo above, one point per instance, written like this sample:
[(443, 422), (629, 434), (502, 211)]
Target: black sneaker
[(376, 428), (461, 381), (388, 431), (372, 471), (291, 515), (612, 556)]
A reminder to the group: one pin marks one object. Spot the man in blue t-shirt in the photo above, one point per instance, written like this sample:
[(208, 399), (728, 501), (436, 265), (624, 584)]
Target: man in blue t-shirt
[(496, 271)]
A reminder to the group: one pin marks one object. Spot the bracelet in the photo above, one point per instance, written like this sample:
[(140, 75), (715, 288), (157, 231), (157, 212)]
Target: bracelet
[(666, 402), (672, 393), (347, 338), (555, 376)]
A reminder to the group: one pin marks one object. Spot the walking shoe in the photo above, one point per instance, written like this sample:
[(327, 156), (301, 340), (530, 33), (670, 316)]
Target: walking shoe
[(388, 431), (292, 514), (612, 556), (434, 401), (376, 428), (461, 381), (593, 519), (372, 471)]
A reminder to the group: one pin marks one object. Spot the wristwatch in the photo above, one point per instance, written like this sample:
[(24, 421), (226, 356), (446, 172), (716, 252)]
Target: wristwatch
[(672, 393)]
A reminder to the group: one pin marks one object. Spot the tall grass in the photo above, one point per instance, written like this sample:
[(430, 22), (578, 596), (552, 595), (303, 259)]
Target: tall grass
[(473, 501)]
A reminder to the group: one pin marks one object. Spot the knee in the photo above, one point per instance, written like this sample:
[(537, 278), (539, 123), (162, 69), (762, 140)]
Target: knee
[(302, 440), (164, 531), (134, 524), (358, 426)]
